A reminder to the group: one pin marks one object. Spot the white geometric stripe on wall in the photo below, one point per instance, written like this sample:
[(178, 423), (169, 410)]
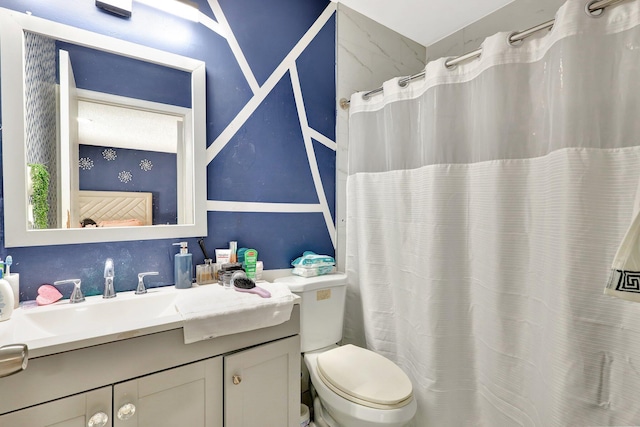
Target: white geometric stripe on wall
[(311, 155), (41, 111), (260, 93), (234, 46)]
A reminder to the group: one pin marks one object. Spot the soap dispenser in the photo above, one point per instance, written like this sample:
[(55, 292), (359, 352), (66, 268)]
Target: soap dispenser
[(6, 299), (182, 267)]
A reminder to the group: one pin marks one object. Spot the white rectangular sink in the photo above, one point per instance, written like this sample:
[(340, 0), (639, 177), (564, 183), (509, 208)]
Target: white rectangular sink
[(126, 309), (63, 326)]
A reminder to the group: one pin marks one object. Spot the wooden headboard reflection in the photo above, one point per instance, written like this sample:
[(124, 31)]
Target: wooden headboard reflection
[(116, 205)]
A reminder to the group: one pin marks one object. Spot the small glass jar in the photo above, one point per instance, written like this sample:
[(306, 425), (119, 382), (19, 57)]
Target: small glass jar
[(226, 279)]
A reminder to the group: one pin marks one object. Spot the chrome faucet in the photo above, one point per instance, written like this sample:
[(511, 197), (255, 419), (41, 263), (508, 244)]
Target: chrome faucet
[(109, 291)]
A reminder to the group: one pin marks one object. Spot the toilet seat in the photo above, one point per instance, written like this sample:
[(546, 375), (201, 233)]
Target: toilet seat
[(364, 377)]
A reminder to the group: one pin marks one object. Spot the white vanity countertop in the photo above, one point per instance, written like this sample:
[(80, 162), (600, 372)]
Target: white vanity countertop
[(63, 326)]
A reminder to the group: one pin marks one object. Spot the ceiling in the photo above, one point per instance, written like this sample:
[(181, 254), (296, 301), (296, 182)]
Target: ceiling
[(425, 21), (120, 126)]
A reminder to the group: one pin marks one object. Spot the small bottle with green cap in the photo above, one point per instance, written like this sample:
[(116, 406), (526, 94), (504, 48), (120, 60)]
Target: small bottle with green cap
[(250, 261)]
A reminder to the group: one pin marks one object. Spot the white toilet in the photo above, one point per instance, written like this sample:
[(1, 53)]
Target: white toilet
[(355, 386)]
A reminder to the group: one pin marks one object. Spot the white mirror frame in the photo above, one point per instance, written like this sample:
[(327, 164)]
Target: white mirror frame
[(12, 28)]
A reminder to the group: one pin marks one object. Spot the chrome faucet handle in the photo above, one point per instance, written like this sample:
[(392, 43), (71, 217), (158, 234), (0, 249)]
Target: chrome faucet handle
[(141, 288), (109, 291), (76, 295)]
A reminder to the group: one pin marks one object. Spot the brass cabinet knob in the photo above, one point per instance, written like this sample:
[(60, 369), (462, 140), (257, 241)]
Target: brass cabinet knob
[(237, 379)]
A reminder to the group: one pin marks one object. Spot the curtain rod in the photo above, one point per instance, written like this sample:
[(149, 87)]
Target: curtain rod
[(593, 8)]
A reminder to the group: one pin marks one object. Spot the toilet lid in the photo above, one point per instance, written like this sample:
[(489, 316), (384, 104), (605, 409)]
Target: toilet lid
[(364, 375)]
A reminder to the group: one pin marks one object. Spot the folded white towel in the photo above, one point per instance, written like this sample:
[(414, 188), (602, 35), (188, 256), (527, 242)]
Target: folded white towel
[(624, 279), (212, 311)]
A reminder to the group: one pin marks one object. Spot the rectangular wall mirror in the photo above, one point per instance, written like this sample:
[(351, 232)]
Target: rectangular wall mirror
[(117, 128)]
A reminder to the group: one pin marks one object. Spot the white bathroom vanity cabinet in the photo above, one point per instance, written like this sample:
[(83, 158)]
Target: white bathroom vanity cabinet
[(243, 380)]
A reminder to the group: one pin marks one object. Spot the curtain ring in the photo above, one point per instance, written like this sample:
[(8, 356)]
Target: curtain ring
[(365, 97), (403, 82), (514, 43), (596, 13)]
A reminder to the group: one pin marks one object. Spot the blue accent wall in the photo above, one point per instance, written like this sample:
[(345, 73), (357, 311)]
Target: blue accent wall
[(314, 69), (265, 164), (118, 75), (268, 30), (262, 123)]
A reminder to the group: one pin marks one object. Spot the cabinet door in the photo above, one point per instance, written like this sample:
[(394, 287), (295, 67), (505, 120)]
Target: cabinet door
[(190, 395), (74, 411), (262, 385)]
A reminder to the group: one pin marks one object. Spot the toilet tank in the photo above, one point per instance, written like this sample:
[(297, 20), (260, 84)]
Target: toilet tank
[(321, 308)]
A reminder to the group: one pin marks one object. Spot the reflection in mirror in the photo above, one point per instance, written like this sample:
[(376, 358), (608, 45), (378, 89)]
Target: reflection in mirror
[(117, 127), (126, 149), (134, 131)]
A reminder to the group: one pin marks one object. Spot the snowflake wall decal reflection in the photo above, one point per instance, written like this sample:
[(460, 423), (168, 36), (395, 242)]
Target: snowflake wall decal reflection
[(109, 154), (146, 165), (125, 176), (85, 163)]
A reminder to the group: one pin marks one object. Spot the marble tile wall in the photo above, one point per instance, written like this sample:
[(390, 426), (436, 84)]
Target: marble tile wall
[(368, 53), (516, 16)]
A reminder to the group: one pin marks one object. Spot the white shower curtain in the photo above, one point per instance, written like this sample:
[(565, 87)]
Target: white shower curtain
[(485, 206)]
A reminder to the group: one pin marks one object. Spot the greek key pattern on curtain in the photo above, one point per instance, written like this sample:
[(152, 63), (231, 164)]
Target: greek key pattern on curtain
[(485, 205)]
